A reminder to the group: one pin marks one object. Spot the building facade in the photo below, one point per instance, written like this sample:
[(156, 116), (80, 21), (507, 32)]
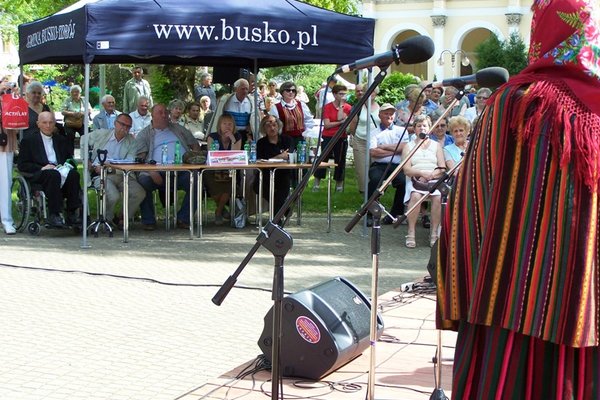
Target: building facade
[(455, 26)]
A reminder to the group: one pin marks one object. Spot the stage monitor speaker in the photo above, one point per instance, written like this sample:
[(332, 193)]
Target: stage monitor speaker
[(323, 328)]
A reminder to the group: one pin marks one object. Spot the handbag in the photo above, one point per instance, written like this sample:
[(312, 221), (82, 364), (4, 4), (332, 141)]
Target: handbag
[(197, 157), (77, 121), (431, 186), (239, 213), (15, 112), (74, 122), (423, 186), (221, 176)]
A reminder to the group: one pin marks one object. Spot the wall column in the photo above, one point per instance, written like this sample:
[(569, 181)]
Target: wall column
[(439, 23), (513, 21)]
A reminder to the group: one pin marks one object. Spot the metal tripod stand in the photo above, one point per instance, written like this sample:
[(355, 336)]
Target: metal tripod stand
[(101, 221)]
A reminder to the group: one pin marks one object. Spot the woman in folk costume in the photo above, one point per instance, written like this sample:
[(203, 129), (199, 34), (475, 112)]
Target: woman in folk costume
[(518, 275)]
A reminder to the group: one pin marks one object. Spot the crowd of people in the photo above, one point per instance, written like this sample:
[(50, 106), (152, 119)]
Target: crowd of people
[(277, 122)]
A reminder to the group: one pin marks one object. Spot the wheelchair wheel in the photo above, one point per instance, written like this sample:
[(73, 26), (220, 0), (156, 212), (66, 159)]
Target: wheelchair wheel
[(21, 202), (33, 228)]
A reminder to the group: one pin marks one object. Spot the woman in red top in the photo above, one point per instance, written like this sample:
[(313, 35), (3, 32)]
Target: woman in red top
[(334, 115)]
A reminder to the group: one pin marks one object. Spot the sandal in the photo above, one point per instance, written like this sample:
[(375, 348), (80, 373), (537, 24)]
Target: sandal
[(410, 241), (432, 239)]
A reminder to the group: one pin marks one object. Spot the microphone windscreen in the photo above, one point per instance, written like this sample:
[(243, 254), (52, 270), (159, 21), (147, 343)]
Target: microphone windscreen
[(415, 50), (492, 77)]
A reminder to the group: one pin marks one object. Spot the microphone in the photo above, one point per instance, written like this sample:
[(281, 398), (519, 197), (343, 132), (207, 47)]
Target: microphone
[(414, 50), (487, 77)]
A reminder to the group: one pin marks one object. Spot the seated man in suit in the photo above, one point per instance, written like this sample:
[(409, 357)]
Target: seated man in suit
[(40, 153)]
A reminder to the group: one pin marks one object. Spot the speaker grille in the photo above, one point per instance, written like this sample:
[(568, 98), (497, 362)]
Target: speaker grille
[(348, 305), (323, 328)]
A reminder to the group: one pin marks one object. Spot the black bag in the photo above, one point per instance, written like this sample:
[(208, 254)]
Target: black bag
[(423, 186), (197, 157)]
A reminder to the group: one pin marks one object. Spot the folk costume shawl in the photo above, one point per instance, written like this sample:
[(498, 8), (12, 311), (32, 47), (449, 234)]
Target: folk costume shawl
[(519, 246)]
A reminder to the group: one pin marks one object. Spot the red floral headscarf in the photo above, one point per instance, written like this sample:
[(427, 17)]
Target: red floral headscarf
[(566, 34), (564, 78)]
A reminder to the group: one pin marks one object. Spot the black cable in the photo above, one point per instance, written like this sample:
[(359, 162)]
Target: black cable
[(137, 278)]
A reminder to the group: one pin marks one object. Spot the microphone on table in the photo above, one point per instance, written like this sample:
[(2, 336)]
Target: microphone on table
[(487, 77), (414, 50)]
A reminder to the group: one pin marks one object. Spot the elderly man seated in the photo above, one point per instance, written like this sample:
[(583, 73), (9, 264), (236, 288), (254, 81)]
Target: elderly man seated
[(149, 144), (120, 145), (386, 146), (108, 115), (40, 154)]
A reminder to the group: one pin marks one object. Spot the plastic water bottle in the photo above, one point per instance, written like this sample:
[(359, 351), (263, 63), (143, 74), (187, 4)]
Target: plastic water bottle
[(301, 148), (164, 155), (247, 150), (177, 153), (214, 146), (252, 159)]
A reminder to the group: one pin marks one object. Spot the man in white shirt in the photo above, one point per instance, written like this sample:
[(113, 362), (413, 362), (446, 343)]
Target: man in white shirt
[(120, 145), (141, 117), (383, 149)]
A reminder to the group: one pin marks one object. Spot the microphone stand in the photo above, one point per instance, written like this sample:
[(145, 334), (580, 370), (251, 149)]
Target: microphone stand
[(374, 207), (438, 392), (275, 239)]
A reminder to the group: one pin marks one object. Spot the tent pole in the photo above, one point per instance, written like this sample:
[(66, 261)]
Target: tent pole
[(102, 79), (22, 93), (255, 135), (83, 148)]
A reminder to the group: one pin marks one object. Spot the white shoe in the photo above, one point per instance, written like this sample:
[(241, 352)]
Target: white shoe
[(9, 229)]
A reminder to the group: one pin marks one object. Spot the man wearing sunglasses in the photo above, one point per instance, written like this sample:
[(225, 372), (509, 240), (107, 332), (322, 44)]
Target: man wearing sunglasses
[(120, 146)]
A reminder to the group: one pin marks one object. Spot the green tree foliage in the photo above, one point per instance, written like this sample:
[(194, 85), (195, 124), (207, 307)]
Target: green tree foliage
[(16, 12), (341, 6), (391, 89), (172, 82), (516, 54), (510, 54)]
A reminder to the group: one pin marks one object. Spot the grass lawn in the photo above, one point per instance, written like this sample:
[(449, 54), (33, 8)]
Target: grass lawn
[(343, 203)]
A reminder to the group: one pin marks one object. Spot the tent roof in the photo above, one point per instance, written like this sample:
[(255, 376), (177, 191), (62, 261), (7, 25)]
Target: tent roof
[(201, 32)]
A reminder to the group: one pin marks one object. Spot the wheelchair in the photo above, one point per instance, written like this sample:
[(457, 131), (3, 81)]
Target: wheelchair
[(29, 207)]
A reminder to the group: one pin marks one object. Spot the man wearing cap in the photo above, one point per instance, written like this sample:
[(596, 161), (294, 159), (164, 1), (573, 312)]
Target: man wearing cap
[(383, 149)]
